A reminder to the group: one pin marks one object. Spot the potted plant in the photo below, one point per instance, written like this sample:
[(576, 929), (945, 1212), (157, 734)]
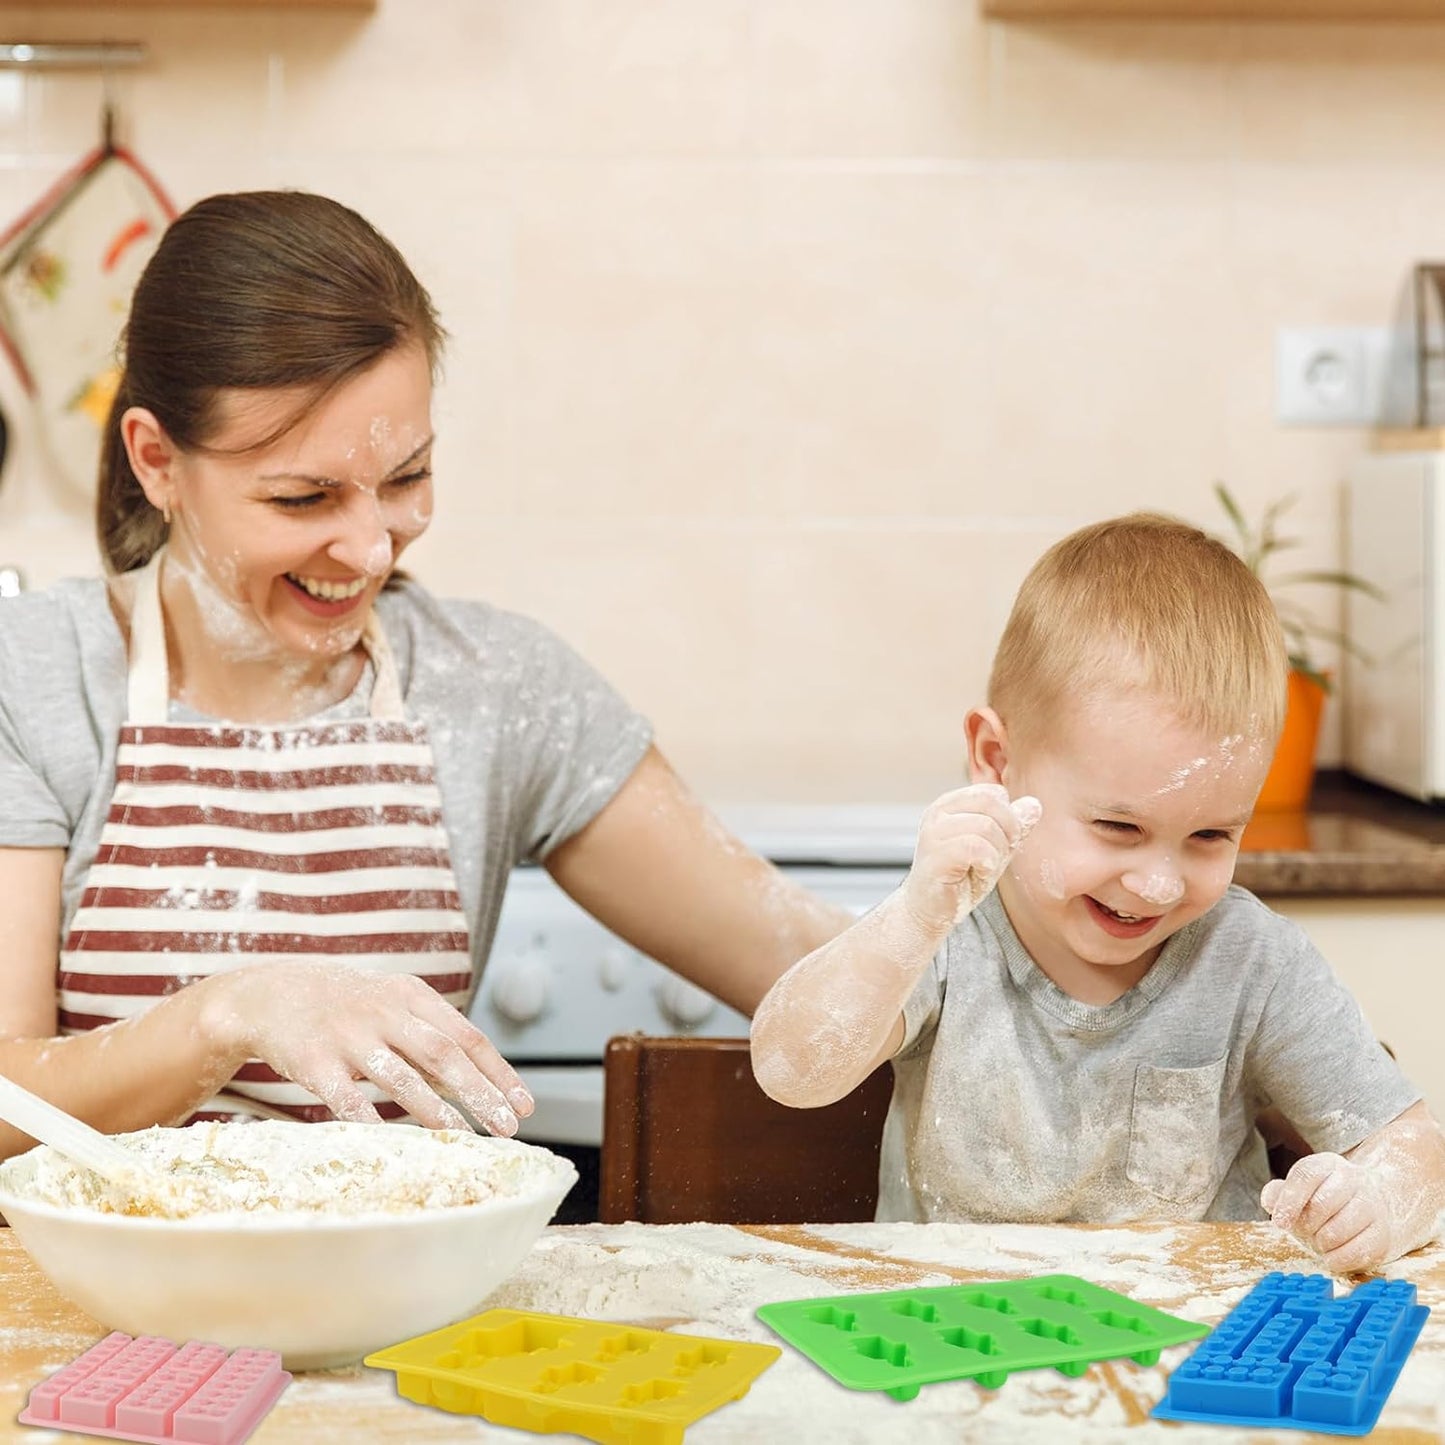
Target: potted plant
[(1291, 774)]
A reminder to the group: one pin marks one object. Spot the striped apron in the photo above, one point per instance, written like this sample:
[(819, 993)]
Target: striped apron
[(227, 845)]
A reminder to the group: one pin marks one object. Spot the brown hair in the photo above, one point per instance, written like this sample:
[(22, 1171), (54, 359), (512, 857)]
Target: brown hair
[(260, 289), (1153, 600)]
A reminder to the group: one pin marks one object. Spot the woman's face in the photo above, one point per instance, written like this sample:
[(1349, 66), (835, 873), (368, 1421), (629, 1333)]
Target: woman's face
[(287, 547)]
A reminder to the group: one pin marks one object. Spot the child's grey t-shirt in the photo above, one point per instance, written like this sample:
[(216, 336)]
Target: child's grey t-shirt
[(530, 742), (1014, 1101)]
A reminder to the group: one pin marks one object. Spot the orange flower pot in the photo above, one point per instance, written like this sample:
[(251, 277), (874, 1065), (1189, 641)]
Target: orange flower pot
[(1292, 773)]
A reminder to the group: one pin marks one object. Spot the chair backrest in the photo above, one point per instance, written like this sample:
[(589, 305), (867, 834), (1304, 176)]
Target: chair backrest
[(688, 1135)]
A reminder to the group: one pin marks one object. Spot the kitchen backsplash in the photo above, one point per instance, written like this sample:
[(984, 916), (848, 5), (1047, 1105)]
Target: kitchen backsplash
[(786, 336)]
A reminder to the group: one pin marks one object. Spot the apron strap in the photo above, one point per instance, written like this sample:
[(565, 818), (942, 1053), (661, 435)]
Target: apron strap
[(386, 689), (148, 692), (148, 680)]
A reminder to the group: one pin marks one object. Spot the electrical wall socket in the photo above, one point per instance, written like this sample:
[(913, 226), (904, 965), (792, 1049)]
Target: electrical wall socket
[(1334, 375)]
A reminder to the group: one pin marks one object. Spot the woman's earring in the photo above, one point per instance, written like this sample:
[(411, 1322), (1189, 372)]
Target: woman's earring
[(166, 515)]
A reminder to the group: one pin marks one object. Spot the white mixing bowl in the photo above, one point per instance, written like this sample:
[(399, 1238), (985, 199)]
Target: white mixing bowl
[(324, 1289)]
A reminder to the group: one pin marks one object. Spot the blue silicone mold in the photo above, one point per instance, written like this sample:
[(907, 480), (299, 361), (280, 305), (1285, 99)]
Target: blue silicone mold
[(1291, 1355)]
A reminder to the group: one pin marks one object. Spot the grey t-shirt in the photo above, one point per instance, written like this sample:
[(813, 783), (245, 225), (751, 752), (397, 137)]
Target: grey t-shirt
[(1014, 1101), (530, 741)]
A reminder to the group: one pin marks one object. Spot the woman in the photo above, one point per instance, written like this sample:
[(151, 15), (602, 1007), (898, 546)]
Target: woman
[(259, 792)]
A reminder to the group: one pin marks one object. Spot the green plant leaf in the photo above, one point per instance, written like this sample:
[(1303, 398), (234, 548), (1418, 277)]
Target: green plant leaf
[(1331, 579), (1300, 629), (1272, 544), (1276, 510), (1290, 612), (1340, 640), (1231, 507), (1270, 541), (1256, 546)]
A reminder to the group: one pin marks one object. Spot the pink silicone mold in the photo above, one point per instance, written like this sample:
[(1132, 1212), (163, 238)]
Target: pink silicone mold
[(148, 1389)]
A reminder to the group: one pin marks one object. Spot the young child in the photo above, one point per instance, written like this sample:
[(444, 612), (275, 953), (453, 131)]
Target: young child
[(1093, 1038)]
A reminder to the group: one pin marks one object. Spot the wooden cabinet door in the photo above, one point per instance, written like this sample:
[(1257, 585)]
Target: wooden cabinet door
[(1215, 9)]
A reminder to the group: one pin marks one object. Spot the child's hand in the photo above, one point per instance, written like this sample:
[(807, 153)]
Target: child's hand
[(964, 844), (1337, 1208)]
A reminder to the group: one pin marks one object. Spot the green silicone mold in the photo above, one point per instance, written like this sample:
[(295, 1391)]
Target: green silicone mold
[(897, 1340)]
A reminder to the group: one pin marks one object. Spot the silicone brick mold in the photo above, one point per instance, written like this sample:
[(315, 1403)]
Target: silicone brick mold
[(898, 1340), (1290, 1354), (149, 1389), (610, 1382)]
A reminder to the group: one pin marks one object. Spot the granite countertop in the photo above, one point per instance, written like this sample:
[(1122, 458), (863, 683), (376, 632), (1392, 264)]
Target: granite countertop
[(1355, 840)]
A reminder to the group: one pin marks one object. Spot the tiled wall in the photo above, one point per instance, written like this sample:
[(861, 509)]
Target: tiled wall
[(786, 335)]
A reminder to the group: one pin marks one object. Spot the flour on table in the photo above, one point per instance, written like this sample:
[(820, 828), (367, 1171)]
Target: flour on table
[(693, 1279)]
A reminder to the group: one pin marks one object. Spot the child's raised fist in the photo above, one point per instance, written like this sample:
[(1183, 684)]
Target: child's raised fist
[(965, 842)]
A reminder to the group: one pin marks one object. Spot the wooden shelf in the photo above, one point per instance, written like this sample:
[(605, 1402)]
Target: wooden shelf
[(209, 4), (1360, 10), (1409, 439)]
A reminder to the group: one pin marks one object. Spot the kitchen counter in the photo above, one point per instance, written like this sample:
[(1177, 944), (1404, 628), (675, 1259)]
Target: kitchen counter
[(1355, 840), (708, 1279)]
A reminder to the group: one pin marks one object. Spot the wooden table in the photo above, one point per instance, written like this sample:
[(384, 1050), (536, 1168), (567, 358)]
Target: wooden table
[(708, 1279)]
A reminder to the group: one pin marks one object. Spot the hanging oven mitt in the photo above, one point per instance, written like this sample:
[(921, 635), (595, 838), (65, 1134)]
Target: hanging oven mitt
[(67, 270)]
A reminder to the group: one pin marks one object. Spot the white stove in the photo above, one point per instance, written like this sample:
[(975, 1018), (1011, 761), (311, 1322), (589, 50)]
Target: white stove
[(558, 984)]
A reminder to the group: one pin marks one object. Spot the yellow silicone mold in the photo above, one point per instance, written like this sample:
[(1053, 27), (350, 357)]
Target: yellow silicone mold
[(610, 1382)]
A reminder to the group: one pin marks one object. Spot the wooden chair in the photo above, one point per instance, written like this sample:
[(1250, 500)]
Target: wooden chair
[(687, 1134)]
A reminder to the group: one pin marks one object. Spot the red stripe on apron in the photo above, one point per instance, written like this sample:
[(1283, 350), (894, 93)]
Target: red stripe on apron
[(200, 856), (94, 940), (204, 815), (226, 900), (248, 737), (158, 985), (297, 779)]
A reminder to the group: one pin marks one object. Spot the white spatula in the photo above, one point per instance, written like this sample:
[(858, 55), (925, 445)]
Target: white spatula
[(69, 1136)]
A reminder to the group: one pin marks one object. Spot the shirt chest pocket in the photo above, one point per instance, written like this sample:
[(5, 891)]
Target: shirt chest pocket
[(1174, 1130)]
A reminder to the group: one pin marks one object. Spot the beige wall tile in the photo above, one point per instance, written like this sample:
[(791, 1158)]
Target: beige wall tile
[(786, 336), (776, 662), (1334, 244), (16, 112), (735, 343), (870, 345), (1113, 299), (1130, 91), (414, 76), (877, 79), (633, 390), (649, 77), (544, 77), (1332, 94), (203, 90)]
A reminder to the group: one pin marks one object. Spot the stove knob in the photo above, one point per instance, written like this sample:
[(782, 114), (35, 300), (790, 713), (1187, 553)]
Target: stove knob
[(520, 994), (684, 1003), (613, 968)]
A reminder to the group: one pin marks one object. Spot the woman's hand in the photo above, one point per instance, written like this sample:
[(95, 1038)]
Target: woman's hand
[(965, 842), (326, 1026)]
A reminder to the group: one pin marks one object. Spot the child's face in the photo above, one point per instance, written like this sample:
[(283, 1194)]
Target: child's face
[(1142, 817)]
